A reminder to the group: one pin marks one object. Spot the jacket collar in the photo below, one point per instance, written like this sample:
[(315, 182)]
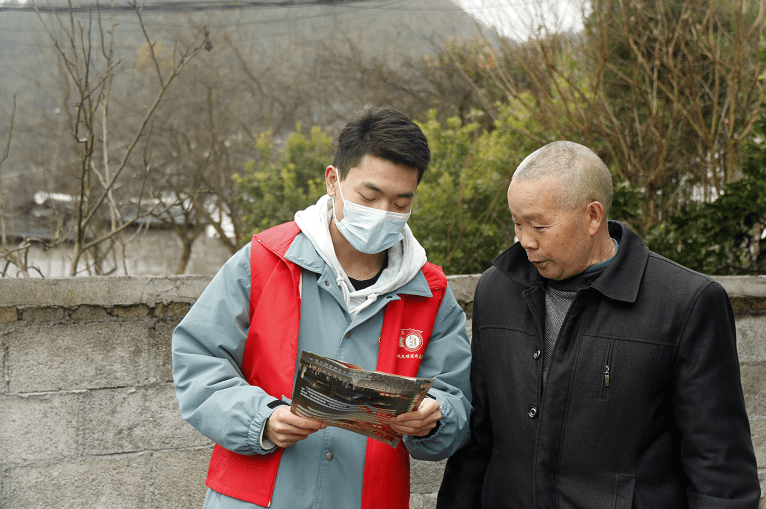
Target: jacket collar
[(620, 281)]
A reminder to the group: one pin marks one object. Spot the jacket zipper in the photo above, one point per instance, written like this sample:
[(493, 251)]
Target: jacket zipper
[(607, 371)]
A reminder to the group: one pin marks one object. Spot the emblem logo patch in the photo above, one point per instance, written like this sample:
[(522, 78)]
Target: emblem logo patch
[(411, 339)]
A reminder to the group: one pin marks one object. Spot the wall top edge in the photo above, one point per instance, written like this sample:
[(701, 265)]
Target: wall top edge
[(101, 291), (153, 290)]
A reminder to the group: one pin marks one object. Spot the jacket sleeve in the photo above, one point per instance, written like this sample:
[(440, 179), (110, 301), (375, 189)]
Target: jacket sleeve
[(709, 407), (464, 473), (448, 360), (207, 350)]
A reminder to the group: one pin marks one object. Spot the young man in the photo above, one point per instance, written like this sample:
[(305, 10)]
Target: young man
[(347, 280), (603, 375)]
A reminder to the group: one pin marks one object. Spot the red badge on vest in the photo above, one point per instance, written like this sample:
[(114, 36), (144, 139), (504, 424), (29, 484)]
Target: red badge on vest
[(410, 344)]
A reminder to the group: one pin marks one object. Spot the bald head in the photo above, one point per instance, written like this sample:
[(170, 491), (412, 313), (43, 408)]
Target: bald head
[(582, 175)]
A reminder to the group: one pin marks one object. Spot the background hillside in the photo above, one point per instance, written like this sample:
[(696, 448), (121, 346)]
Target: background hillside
[(389, 29)]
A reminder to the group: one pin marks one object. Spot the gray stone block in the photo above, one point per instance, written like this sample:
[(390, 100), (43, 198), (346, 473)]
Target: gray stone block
[(89, 313), (119, 482), (38, 428), (463, 287), (80, 356), (101, 291), (8, 315), (133, 420), (44, 314), (178, 478), (758, 433), (162, 358), (754, 387), (137, 311), (751, 338), (3, 373), (422, 501), (426, 476), (173, 309)]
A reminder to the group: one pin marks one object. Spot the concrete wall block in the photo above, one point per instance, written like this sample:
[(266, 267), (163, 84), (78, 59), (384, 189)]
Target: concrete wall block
[(426, 476), (751, 345), (137, 311), (77, 356), (463, 288), (120, 482), (762, 478), (422, 501), (758, 433), (89, 313), (44, 314), (38, 428), (3, 373), (8, 315), (178, 478), (754, 387), (163, 335), (133, 420), (178, 309)]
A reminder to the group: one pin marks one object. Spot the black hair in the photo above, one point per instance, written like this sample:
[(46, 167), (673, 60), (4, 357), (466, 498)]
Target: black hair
[(384, 133)]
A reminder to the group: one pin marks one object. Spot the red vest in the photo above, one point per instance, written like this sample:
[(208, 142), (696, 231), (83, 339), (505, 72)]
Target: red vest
[(269, 362)]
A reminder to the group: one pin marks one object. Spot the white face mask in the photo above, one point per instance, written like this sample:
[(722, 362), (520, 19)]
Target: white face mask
[(369, 230)]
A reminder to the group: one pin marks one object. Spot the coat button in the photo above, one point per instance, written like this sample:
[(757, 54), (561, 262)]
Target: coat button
[(537, 354), (328, 456), (327, 283), (348, 335), (532, 412)]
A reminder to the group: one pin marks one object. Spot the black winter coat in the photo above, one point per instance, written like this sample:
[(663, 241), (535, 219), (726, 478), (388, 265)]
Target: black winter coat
[(669, 428)]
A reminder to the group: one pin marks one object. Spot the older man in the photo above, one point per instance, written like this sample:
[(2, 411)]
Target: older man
[(603, 375)]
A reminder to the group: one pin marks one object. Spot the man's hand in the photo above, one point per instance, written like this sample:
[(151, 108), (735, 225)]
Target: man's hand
[(418, 422), (284, 428)]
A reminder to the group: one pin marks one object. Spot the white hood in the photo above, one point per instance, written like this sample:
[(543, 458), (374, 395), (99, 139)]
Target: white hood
[(404, 259)]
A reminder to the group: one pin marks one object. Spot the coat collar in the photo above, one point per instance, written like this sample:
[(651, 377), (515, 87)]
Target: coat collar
[(621, 281)]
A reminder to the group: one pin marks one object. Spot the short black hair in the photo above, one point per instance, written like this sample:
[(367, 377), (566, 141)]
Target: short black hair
[(385, 133)]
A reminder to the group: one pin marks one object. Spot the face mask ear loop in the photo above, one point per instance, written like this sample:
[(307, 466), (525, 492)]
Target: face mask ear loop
[(339, 280), (337, 177)]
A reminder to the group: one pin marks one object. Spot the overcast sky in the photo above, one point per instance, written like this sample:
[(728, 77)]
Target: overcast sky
[(514, 17)]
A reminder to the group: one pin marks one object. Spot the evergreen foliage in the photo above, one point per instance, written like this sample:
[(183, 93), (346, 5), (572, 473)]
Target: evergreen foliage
[(275, 186), (724, 237)]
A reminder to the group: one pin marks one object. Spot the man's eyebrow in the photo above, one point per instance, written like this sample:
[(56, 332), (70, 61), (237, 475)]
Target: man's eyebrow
[(536, 216), (373, 187)]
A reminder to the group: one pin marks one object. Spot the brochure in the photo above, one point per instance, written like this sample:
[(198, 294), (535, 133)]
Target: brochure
[(347, 396)]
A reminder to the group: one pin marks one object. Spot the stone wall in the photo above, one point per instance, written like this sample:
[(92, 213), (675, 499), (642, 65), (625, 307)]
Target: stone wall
[(88, 417)]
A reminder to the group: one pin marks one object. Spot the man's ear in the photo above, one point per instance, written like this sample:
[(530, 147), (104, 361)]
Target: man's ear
[(330, 179), (595, 214)]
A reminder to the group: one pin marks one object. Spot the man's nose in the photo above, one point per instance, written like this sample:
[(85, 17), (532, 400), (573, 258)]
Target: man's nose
[(527, 241)]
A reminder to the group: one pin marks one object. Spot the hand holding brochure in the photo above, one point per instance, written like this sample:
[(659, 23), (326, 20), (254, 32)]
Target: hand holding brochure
[(345, 395)]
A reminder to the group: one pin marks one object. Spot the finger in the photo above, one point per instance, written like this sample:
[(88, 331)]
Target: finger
[(284, 428), (409, 429), (424, 413), (302, 422), (288, 440), (285, 416)]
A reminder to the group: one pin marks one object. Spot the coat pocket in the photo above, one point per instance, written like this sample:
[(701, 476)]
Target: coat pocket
[(623, 491), (605, 377)]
